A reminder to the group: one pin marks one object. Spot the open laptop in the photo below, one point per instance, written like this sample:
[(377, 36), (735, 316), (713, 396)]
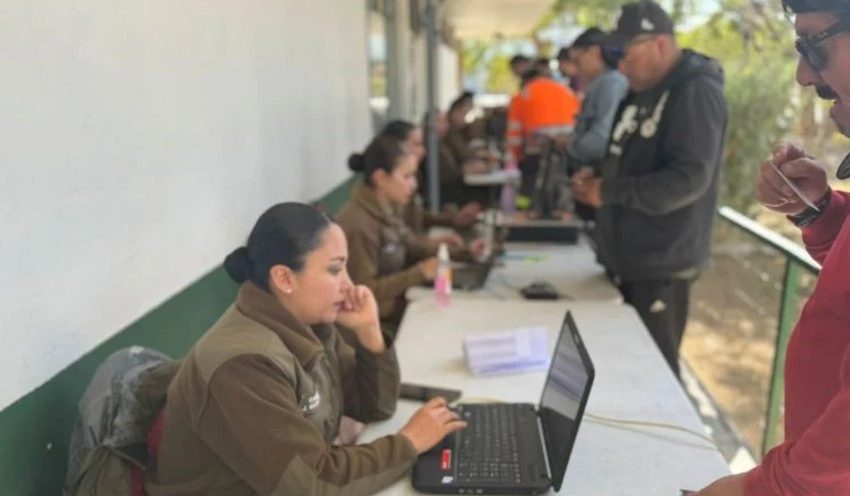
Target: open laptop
[(470, 275), (542, 231), (515, 448)]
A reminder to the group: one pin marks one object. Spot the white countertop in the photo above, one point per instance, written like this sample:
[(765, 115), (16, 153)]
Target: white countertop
[(632, 382), (571, 269)]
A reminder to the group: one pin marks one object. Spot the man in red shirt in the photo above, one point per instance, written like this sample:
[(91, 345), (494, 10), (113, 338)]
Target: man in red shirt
[(815, 457)]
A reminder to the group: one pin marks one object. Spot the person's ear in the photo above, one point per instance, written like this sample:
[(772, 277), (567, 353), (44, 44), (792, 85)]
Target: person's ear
[(283, 279), (664, 43), (380, 177), (597, 51)]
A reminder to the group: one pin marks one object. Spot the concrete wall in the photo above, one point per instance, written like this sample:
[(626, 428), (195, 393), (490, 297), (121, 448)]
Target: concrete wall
[(448, 76), (448, 82), (140, 142)]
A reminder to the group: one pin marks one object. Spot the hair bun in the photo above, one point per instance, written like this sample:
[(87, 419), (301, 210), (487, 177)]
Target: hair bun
[(356, 162), (238, 265)]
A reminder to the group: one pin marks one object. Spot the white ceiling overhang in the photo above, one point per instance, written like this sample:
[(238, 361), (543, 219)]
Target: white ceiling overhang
[(486, 18)]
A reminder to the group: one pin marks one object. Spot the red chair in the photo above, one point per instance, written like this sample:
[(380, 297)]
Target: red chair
[(137, 474)]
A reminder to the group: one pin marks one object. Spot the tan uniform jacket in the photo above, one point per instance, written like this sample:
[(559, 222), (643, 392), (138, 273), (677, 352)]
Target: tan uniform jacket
[(382, 251), (458, 145), (258, 401), (418, 218)]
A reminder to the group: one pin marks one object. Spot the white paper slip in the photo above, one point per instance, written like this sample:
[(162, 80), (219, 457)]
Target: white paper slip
[(795, 189), (505, 352), (493, 178)]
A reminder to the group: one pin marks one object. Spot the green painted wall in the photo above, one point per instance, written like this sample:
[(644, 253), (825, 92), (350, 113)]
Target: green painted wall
[(35, 430)]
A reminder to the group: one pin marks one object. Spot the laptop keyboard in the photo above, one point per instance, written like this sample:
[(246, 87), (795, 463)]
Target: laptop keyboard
[(487, 449)]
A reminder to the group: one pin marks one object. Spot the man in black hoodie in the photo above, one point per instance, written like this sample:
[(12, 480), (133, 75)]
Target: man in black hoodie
[(657, 192)]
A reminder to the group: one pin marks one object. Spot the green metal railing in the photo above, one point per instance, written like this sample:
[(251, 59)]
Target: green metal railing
[(797, 261)]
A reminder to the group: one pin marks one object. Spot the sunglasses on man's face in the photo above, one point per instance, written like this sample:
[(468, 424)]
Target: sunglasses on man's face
[(811, 48), (618, 52)]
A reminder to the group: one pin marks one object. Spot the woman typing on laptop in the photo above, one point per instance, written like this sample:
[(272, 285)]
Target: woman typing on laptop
[(386, 255), (257, 402)]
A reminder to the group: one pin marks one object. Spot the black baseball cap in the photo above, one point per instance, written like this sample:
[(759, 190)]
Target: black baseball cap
[(805, 6), (838, 8), (590, 37), (637, 18)]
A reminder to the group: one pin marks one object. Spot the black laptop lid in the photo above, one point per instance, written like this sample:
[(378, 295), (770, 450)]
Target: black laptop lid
[(564, 398)]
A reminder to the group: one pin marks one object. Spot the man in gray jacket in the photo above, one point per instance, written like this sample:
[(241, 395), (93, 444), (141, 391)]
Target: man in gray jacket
[(605, 88), (658, 191)]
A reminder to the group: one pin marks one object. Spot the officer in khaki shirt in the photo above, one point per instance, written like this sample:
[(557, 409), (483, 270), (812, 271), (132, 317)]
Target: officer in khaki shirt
[(385, 254), (415, 215), (257, 402)]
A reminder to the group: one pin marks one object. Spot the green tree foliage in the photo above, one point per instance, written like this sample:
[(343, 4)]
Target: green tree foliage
[(473, 53), (587, 12), (754, 44), (500, 79), (477, 54), (758, 96)]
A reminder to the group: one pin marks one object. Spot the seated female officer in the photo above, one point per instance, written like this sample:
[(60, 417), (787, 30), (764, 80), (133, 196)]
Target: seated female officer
[(386, 255), (257, 402), (452, 169), (418, 218)]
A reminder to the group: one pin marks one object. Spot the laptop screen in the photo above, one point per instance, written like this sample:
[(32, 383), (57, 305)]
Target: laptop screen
[(564, 398)]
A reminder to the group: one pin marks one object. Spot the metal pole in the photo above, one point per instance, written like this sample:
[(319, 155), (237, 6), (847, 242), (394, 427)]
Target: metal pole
[(787, 317), (432, 145)]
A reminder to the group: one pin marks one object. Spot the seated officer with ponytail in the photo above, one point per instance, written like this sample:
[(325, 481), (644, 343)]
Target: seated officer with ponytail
[(257, 402), (386, 255), (415, 215)]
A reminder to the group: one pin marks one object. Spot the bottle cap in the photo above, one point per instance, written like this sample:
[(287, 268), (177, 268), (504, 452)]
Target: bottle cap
[(443, 253)]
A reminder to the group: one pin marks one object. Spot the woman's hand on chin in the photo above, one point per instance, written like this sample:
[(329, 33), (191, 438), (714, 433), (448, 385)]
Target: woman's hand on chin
[(359, 313)]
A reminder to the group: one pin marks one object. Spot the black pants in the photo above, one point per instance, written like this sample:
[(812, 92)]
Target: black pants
[(663, 307), (529, 167)]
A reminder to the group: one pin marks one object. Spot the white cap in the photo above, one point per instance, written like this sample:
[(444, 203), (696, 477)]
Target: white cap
[(443, 253)]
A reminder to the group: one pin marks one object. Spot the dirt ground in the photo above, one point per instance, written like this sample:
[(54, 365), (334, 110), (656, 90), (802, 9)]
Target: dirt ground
[(731, 334)]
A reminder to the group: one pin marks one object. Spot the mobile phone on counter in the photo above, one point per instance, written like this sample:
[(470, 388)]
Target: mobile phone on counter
[(419, 392)]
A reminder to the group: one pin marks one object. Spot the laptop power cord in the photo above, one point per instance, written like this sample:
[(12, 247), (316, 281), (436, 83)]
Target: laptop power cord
[(611, 421), (614, 422)]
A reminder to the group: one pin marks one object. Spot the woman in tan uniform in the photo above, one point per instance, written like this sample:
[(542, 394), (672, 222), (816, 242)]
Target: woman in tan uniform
[(454, 165), (418, 218), (386, 255), (257, 402)]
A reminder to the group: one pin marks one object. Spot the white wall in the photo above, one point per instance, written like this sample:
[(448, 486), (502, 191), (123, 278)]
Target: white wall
[(448, 84), (400, 88), (140, 141), (448, 75)]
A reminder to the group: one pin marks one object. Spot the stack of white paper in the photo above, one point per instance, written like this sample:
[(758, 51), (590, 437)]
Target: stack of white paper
[(506, 352)]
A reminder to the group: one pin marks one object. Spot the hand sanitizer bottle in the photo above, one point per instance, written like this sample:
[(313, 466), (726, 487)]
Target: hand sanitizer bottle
[(443, 281)]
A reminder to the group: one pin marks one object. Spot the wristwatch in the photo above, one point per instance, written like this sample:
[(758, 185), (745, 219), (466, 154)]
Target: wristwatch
[(810, 214)]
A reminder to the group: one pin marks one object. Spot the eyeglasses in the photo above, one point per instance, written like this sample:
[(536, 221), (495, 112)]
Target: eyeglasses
[(811, 48), (618, 53)]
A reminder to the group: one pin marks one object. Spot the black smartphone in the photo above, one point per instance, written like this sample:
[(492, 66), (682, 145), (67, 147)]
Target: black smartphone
[(419, 392), (539, 291)]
